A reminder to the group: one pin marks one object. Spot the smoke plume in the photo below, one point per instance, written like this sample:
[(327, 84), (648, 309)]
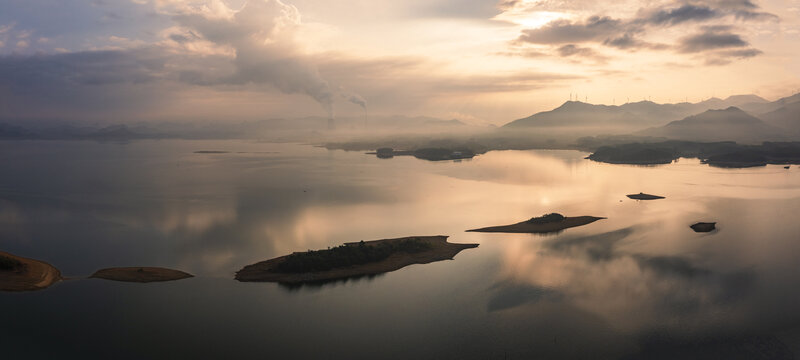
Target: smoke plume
[(261, 37)]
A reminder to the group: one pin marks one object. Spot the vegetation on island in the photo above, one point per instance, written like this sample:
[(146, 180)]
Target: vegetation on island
[(23, 274), (352, 260), (9, 264), (547, 218), (348, 255)]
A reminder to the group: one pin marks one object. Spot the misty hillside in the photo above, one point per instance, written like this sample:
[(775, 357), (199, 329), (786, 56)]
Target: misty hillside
[(632, 116), (762, 108), (786, 117), (731, 124), (576, 113)]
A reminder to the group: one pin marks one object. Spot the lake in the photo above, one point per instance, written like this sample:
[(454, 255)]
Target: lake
[(639, 284)]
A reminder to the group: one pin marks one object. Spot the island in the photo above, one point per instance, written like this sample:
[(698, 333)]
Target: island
[(140, 274), (643, 196), (430, 154), (548, 223), (704, 226), (725, 154), (22, 274), (352, 259)]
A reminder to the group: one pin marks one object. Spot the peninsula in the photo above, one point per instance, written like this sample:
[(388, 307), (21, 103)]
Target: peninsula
[(544, 224), (22, 274), (140, 274), (352, 259)]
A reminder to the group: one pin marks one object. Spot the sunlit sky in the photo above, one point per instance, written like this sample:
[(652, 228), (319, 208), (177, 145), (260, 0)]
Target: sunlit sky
[(483, 61)]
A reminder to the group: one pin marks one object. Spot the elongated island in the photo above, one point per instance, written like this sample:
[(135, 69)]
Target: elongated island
[(140, 274), (22, 274), (548, 223), (643, 196), (352, 260)]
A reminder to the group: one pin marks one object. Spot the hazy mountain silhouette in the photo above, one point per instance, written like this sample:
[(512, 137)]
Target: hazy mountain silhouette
[(633, 116), (784, 113), (9, 131), (576, 113), (761, 108), (718, 125)]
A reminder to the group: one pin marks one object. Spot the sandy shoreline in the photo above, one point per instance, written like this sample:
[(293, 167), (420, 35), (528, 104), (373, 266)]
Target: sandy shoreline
[(34, 275), (439, 250)]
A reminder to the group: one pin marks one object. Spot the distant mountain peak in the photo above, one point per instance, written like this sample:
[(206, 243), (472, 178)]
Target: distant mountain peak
[(747, 98)]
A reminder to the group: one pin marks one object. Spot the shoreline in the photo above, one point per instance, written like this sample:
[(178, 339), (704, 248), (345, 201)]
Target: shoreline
[(35, 275)]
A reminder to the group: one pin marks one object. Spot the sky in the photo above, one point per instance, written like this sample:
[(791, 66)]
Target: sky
[(481, 61)]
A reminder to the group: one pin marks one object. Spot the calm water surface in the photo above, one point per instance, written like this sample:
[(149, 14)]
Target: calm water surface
[(640, 284)]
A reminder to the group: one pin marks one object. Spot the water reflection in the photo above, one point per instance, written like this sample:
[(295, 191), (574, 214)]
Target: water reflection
[(318, 285), (640, 283)]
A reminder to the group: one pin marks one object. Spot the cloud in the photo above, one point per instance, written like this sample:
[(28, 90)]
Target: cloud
[(353, 98), (681, 14), (565, 31), (724, 57), (572, 50), (261, 35), (710, 39), (633, 33)]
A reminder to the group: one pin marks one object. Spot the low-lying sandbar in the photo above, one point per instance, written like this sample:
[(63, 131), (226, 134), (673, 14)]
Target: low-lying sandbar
[(352, 259), (539, 225), (140, 274), (22, 274)]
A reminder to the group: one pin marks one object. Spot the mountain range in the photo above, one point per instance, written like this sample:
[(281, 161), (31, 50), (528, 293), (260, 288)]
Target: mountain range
[(745, 118)]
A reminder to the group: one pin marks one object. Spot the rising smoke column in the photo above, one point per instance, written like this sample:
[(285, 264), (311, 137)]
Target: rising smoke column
[(261, 37), (355, 99)]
